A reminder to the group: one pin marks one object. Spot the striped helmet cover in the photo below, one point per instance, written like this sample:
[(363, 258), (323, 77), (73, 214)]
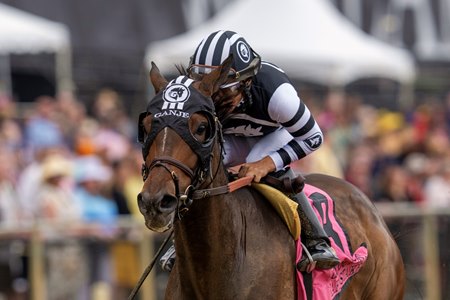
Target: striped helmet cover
[(215, 48)]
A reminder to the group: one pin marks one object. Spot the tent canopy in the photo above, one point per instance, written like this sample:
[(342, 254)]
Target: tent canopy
[(21, 32), (24, 33), (310, 40)]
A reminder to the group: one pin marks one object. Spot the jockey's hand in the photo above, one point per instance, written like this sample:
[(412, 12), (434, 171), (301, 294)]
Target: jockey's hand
[(257, 169)]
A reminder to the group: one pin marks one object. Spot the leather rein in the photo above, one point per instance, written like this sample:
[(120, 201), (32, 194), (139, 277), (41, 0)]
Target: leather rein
[(191, 193), (186, 200)]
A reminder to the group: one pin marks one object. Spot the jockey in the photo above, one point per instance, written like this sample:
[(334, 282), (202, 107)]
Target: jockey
[(265, 125)]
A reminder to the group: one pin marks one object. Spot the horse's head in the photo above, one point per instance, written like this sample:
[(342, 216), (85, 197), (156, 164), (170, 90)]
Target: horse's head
[(177, 132)]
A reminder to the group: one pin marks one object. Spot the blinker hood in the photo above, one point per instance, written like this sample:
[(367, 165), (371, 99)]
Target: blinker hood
[(173, 108)]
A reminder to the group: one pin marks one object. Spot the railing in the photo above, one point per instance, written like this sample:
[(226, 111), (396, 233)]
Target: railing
[(431, 223), (41, 233), (428, 284)]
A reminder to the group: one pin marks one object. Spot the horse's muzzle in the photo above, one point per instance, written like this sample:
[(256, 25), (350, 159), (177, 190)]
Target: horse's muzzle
[(158, 210), (156, 204)]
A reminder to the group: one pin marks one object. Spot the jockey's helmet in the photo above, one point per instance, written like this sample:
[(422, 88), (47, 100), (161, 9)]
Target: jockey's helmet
[(214, 49)]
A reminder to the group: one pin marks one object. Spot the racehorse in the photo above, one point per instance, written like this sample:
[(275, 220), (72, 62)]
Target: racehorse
[(234, 245)]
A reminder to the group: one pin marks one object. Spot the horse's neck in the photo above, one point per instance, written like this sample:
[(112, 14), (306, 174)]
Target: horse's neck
[(219, 245), (204, 218), (209, 225)]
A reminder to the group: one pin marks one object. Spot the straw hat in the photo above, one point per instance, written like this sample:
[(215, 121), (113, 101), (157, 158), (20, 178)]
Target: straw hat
[(56, 166)]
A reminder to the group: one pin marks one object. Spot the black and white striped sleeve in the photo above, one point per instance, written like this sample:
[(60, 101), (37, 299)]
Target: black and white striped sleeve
[(286, 108)]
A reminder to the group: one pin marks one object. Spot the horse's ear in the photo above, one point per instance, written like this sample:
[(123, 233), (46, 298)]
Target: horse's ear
[(158, 81), (212, 81)]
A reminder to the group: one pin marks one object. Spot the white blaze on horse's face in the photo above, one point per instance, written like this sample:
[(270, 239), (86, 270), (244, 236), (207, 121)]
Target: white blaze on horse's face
[(177, 132), (158, 202)]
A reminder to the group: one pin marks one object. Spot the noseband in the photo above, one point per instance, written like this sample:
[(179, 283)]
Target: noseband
[(163, 161)]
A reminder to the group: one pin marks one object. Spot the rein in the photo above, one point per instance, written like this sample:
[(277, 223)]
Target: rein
[(224, 189), (197, 194), (149, 268)]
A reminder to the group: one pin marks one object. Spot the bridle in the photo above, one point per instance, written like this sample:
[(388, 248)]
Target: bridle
[(199, 187), (164, 162), (166, 114)]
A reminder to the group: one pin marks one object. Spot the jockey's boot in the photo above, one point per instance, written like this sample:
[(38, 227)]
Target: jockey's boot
[(314, 238), (168, 259)]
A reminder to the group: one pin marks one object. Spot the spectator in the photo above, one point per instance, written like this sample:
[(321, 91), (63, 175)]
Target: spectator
[(70, 113), (66, 267), (41, 127), (396, 186), (92, 177), (110, 112), (29, 179), (55, 197), (128, 181), (437, 187), (9, 205), (359, 167), (43, 137)]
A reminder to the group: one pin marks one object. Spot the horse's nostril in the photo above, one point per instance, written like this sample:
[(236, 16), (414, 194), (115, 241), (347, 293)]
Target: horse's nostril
[(139, 199), (168, 202)]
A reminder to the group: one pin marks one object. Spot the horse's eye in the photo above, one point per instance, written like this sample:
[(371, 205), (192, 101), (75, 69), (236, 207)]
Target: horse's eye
[(201, 129), (201, 132)]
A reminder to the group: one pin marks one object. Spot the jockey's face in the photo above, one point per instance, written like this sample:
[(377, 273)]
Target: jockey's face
[(227, 98)]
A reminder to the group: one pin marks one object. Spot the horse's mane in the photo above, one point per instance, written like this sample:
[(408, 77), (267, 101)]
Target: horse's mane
[(181, 69)]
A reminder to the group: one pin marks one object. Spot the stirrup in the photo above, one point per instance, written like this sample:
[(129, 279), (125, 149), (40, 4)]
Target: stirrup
[(167, 261), (309, 261)]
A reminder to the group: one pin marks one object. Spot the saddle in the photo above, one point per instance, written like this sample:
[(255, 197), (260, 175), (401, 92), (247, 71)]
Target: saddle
[(319, 284), (285, 181), (277, 187)]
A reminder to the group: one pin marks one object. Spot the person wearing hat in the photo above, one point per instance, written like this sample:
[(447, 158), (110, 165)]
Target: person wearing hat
[(92, 176), (266, 126), (55, 197)]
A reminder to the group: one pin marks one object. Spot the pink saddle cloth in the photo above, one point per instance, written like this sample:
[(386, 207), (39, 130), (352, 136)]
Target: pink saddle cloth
[(327, 284)]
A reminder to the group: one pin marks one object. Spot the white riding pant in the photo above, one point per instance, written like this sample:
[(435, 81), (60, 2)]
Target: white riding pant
[(242, 149)]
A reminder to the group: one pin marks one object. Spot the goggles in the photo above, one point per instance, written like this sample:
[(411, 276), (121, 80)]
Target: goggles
[(233, 86), (196, 71)]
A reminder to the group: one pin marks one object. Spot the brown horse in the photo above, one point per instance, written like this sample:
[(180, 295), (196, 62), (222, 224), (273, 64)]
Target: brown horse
[(234, 245)]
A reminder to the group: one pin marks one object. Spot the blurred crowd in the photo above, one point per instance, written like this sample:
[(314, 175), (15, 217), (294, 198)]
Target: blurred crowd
[(392, 156), (67, 164), (62, 160)]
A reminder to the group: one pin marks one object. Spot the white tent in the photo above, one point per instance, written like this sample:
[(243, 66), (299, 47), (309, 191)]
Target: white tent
[(309, 39), (24, 33)]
